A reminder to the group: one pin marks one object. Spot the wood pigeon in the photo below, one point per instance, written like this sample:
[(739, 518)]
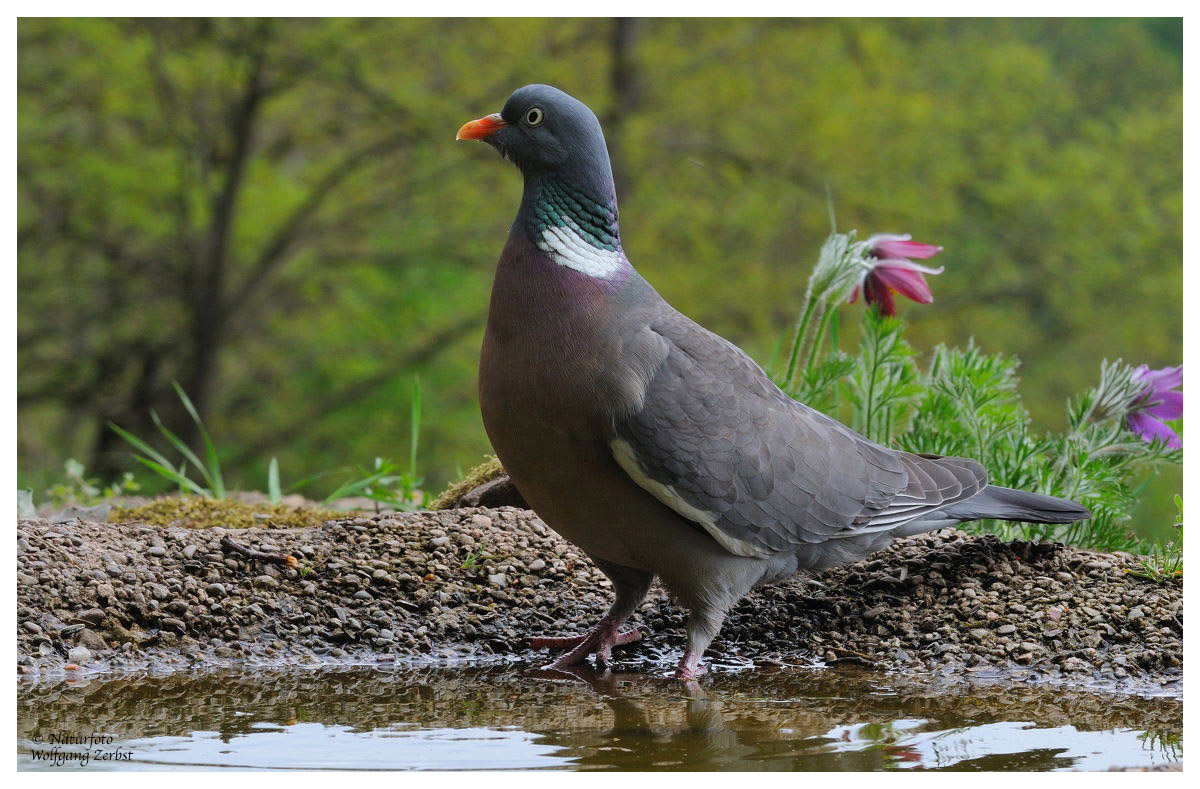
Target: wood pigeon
[(656, 446)]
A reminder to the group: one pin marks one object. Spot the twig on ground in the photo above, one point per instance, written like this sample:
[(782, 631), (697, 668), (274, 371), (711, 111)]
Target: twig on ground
[(275, 558)]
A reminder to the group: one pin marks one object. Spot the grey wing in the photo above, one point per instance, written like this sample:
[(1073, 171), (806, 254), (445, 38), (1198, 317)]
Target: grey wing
[(720, 444)]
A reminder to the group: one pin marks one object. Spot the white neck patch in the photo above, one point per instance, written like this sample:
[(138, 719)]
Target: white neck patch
[(567, 247)]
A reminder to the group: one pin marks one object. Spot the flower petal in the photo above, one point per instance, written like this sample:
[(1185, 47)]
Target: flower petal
[(854, 294), (1162, 380), (884, 246), (905, 282), (908, 265), (875, 291), (1150, 428), (1165, 405)]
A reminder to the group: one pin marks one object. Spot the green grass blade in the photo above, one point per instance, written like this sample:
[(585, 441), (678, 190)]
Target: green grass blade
[(140, 445), (353, 487), (416, 426), (172, 475), (183, 448), (313, 478), (273, 489), (214, 462), (384, 469)]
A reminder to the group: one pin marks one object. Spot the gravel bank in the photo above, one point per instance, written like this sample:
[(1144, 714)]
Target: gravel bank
[(478, 582)]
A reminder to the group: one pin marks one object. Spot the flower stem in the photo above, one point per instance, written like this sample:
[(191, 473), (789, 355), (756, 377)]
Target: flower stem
[(818, 340), (801, 330)]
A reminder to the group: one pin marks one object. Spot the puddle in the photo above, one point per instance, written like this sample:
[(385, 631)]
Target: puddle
[(518, 718)]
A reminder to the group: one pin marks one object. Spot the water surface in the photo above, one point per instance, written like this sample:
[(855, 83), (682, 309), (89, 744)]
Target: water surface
[(519, 718)]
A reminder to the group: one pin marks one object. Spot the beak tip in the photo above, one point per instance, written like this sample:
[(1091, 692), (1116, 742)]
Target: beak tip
[(479, 129)]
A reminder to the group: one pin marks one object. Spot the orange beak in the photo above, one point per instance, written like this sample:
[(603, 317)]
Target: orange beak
[(484, 127)]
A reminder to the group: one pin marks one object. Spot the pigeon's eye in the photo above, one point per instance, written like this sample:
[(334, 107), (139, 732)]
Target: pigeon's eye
[(534, 116)]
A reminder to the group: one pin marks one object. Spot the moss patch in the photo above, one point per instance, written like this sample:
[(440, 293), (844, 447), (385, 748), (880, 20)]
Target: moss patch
[(484, 472), (197, 512)]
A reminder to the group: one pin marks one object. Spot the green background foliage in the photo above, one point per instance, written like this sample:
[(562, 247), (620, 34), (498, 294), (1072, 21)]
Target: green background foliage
[(275, 214)]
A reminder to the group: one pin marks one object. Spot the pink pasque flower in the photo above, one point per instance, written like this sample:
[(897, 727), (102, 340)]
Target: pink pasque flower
[(1158, 402), (893, 271)]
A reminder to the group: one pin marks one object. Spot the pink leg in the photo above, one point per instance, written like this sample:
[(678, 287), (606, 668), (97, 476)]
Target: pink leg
[(631, 586)]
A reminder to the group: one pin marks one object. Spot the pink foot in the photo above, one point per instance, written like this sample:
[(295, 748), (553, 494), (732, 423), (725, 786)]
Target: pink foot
[(600, 639), (689, 667)]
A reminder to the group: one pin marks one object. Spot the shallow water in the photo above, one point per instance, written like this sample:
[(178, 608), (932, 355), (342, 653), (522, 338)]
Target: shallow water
[(519, 718)]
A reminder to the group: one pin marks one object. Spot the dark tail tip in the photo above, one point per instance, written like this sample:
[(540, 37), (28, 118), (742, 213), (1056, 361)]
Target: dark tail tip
[(1019, 505)]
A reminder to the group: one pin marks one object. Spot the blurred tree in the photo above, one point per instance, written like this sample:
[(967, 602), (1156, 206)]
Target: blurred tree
[(275, 214)]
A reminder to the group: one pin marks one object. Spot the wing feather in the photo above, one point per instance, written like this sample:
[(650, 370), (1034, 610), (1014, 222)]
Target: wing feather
[(721, 445)]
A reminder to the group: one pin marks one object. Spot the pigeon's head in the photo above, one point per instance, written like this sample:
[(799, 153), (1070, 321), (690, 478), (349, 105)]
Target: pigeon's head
[(546, 131)]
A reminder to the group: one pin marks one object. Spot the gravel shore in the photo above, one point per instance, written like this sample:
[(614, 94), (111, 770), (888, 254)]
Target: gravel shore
[(478, 582)]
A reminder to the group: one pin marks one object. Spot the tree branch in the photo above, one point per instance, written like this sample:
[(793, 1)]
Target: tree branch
[(292, 228)]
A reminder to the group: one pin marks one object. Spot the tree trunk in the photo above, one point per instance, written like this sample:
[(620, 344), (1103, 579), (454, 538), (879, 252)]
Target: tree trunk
[(626, 96)]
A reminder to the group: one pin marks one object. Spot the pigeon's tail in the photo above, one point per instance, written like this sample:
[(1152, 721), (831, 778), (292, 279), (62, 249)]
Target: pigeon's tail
[(1003, 504)]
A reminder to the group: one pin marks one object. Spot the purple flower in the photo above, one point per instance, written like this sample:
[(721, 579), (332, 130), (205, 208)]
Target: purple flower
[(1157, 402), (893, 271)]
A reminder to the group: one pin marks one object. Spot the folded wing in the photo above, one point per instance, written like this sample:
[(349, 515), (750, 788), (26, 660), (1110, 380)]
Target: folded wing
[(721, 445)]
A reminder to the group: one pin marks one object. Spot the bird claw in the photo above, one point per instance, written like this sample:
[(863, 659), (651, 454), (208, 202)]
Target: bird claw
[(600, 640)]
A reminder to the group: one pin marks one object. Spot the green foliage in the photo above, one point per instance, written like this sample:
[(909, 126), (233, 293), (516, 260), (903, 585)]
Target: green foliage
[(384, 484), (966, 403), (300, 178), (157, 462), (1165, 561), (882, 384), (76, 487)]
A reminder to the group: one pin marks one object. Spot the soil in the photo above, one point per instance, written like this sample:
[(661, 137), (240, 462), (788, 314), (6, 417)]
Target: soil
[(477, 583)]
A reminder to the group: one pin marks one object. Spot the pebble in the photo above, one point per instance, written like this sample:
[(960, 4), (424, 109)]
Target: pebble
[(401, 583)]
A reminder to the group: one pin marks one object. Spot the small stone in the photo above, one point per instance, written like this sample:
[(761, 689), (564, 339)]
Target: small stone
[(93, 616), (265, 581), (159, 591), (32, 627), (190, 551), (215, 590), (1006, 630), (979, 634), (79, 655), (536, 565), (499, 580), (92, 640), (157, 550)]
